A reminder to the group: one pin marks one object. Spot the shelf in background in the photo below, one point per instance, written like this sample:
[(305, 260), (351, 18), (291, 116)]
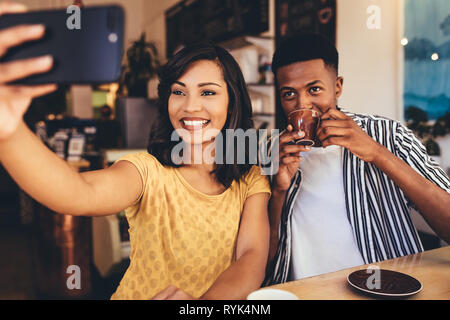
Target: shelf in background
[(265, 43)]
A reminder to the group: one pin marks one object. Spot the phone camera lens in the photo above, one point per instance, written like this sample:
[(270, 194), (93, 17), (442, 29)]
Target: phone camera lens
[(113, 37)]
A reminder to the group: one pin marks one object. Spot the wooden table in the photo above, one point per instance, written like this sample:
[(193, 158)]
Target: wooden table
[(431, 268)]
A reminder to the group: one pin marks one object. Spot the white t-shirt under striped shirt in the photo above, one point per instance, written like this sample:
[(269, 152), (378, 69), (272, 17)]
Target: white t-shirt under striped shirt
[(322, 239)]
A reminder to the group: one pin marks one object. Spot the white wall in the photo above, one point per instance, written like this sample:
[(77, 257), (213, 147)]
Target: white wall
[(154, 22), (369, 58)]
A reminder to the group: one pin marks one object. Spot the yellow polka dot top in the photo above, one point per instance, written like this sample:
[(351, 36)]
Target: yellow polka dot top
[(179, 235)]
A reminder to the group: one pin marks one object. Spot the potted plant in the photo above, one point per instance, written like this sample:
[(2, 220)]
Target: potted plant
[(135, 112), (142, 65), (417, 121)]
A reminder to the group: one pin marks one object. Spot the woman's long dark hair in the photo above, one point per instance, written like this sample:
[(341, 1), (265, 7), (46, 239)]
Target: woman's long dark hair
[(239, 108)]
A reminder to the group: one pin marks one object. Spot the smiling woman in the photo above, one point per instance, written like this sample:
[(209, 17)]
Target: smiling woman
[(203, 82)]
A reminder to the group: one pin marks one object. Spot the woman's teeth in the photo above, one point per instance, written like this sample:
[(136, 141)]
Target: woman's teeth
[(195, 123)]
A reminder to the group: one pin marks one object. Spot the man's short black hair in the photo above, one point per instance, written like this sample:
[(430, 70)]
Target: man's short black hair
[(304, 47)]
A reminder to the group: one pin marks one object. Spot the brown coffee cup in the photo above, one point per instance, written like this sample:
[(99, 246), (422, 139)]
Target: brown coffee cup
[(306, 120)]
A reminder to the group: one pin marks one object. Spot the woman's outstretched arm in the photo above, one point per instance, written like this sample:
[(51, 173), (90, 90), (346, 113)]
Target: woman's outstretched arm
[(35, 168)]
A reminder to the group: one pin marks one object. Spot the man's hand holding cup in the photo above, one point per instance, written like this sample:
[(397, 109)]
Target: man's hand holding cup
[(289, 156)]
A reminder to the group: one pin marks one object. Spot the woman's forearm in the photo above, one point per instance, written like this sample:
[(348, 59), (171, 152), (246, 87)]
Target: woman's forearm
[(42, 174), (241, 278)]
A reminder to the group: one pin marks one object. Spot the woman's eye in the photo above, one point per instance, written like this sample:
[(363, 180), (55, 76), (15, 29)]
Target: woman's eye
[(177, 92), (208, 93)]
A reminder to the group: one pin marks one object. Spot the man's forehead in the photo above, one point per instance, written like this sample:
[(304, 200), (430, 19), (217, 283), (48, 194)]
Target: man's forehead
[(304, 71)]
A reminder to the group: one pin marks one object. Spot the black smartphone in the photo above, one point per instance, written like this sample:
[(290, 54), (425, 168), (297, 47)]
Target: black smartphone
[(86, 44)]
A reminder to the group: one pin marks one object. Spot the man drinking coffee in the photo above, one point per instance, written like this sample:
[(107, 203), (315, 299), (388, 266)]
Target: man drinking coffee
[(346, 200)]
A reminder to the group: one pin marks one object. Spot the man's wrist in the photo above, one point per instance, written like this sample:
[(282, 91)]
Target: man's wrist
[(381, 155)]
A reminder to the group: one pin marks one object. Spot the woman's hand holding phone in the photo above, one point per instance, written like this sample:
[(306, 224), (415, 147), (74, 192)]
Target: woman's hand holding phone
[(15, 99)]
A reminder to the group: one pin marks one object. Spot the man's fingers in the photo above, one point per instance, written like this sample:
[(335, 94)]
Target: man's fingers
[(16, 70), (14, 36), (293, 148), (12, 7), (290, 159), (327, 124), (289, 136), (327, 132), (333, 113), (335, 123), (336, 141)]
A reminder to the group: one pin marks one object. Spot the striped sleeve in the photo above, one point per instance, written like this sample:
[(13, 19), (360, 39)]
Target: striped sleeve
[(409, 148)]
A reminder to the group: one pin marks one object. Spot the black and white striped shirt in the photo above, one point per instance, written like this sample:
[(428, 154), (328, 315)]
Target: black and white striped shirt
[(377, 209)]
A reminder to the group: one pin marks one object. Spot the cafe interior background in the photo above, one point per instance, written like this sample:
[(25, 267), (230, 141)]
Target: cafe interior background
[(394, 56)]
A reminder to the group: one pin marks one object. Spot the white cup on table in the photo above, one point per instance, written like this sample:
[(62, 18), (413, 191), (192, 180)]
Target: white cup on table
[(271, 294)]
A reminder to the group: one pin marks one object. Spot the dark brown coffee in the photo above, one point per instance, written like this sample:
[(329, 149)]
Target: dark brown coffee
[(305, 120)]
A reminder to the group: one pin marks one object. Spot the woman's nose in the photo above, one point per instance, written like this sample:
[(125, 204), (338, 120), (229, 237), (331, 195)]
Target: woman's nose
[(193, 104)]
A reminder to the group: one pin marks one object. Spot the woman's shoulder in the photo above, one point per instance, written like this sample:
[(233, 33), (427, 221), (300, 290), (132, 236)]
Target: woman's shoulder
[(142, 157), (254, 174), (145, 163), (255, 170), (256, 181)]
